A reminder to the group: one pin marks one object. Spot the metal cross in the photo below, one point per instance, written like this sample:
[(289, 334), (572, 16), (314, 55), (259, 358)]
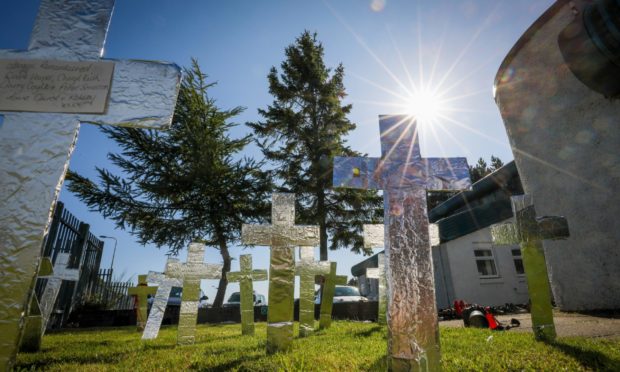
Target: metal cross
[(245, 276), (327, 296), (140, 294), (160, 301), (529, 231), (404, 176), (33, 322), (191, 273), (35, 147), (282, 235), (61, 272), (158, 308), (374, 238), (307, 269)]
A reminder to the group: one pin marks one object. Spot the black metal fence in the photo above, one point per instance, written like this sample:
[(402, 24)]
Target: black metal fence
[(67, 234), (109, 294)]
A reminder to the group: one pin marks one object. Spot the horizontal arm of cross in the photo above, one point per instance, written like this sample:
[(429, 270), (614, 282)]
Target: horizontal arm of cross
[(237, 276), (141, 290), (341, 280), (160, 278), (447, 174), (553, 227), (374, 236), (143, 93), (357, 173), (256, 234), (505, 234), (314, 268), (211, 271), (279, 235)]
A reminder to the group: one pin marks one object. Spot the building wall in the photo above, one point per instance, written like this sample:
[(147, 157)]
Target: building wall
[(465, 282), (566, 140), (456, 274)]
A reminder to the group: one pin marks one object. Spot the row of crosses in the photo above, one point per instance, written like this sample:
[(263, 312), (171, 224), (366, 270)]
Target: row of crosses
[(282, 234)]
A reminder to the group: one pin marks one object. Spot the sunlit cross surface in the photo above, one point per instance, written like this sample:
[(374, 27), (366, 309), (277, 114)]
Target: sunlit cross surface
[(405, 176)]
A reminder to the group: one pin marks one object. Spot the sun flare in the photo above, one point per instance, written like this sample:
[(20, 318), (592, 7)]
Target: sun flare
[(425, 105)]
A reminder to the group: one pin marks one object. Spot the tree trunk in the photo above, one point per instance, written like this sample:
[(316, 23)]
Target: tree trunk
[(221, 289), (322, 225)]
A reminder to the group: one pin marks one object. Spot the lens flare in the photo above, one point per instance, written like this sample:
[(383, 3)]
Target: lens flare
[(425, 105)]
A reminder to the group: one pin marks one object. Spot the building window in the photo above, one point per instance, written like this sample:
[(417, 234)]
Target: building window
[(485, 262), (518, 260)]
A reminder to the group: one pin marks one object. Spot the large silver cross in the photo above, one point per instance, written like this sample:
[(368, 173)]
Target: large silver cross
[(282, 235), (35, 146), (191, 272), (404, 176), (307, 269), (246, 276), (160, 301), (529, 231)]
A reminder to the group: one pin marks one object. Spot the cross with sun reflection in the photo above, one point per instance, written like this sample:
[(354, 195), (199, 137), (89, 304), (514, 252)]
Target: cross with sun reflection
[(405, 176)]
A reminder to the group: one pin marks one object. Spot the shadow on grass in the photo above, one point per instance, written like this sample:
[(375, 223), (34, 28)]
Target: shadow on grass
[(226, 365), (370, 331), (590, 359), (45, 363), (379, 364)]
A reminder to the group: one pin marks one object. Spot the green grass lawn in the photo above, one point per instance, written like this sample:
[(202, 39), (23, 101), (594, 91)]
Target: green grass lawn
[(347, 346)]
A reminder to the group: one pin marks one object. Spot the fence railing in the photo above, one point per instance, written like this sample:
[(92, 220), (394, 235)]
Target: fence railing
[(67, 234), (111, 295)]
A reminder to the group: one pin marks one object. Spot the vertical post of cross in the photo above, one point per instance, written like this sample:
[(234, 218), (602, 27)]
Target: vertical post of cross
[(331, 280), (529, 231), (405, 176), (245, 276), (282, 235), (308, 269)]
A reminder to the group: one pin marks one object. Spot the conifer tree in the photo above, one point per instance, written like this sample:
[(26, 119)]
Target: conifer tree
[(301, 132), (184, 184)]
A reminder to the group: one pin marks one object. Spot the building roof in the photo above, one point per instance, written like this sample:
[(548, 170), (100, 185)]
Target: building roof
[(487, 203)]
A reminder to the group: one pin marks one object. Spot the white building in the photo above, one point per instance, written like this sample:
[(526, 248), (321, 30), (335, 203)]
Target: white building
[(467, 265)]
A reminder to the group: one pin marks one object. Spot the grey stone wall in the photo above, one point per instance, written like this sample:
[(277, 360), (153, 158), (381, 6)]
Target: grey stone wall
[(566, 142)]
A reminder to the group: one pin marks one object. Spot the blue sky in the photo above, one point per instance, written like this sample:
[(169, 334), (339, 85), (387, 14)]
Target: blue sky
[(388, 49)]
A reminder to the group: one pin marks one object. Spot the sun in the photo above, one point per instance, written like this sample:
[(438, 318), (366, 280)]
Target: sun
[(425, 105)]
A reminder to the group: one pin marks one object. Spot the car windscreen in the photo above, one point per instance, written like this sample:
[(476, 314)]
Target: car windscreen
[(346, 291), (235, 297)]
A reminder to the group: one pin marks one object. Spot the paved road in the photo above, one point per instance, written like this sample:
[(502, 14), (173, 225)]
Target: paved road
[(566, 324)]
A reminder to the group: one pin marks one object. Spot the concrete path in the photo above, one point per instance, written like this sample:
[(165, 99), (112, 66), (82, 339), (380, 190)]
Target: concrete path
[(566, 324)]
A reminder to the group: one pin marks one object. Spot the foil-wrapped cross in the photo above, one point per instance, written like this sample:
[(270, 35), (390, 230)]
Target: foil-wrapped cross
[(191, 273), (246, 276), (330, 282), (405, 176), (140, 294), (529, 231), (160, 301), (307, 269), (282, 235), (35, 146)]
